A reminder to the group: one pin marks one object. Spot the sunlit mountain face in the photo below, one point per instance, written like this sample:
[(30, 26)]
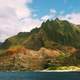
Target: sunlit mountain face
[(39, 35), (55, 43)]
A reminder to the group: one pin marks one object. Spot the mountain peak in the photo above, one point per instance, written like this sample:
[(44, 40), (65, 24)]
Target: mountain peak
[(57, 19), (51, 32), (56, 42)]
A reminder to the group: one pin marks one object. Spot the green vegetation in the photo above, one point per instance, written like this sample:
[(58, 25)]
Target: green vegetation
[(73, 68), (55, 43), (51, 34)]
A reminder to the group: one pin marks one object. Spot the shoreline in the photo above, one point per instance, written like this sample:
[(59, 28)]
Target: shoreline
[(44, 71), (60, 71)]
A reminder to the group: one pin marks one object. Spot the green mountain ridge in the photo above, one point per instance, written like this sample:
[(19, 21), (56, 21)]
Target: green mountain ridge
[(51, 32), (56, 42)]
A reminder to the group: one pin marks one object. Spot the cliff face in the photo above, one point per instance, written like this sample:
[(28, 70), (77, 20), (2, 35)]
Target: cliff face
[(56, 42), (22, 58)]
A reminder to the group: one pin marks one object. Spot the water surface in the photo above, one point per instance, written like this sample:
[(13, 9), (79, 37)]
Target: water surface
[(39, 76)]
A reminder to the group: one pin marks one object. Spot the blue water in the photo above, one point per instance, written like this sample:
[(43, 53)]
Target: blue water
[(39, 76)]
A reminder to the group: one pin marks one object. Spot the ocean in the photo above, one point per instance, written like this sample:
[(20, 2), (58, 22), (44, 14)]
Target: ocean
[(39, 75)]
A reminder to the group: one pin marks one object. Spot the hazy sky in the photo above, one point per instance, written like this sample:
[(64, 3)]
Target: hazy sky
[(23, 15)]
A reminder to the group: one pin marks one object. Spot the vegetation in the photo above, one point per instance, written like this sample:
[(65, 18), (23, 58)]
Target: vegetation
[(73, 68), (55, 43)]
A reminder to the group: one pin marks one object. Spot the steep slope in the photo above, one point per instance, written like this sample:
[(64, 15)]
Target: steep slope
[(56, 42), (62, 32), (0, 43), (15, 40), (54, 34), (25, 59), (50, 33)]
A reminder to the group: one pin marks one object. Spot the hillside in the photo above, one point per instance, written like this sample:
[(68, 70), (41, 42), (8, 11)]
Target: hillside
[(56, 42), (50, 33)]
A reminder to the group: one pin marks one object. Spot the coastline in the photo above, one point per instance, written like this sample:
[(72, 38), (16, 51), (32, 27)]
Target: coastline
[(59, 71)]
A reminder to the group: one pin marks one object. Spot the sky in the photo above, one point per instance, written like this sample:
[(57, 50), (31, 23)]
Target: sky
[(23, 15)]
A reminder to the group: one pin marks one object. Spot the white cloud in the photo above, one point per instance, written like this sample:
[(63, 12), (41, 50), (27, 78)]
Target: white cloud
[(35, 15), (52, 11), (46, 17), (12, 14), (30, 23), (19, 6), (51, 15), (16, 16), (72, 17)]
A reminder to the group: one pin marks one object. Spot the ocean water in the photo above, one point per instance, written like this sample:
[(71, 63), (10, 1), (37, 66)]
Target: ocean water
[(39, 75)]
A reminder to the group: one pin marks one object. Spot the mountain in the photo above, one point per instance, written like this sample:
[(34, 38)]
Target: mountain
[(54, 37), (49, 34), (0, 43)]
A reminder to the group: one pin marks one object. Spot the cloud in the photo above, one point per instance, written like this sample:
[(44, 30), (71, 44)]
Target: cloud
[(51, 15), (52, 11), (19, 6), (46, 17), (30, 23), (15, 16), (72, 17)]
